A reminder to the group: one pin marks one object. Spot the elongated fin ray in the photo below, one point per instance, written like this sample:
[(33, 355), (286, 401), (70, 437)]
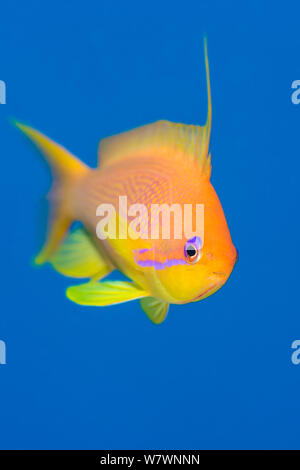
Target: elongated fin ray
[(162, 139)]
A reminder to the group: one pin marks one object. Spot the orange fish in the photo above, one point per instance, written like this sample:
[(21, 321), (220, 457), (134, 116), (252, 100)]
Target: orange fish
[(160, 164)]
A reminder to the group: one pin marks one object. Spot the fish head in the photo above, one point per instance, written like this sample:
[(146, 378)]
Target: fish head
[(192, 268)]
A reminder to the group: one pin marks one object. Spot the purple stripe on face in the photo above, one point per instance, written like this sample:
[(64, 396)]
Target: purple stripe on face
[(144, 250), (196, 241), (159, 265)]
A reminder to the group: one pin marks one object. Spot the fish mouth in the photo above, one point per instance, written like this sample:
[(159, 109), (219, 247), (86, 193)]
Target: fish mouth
[(219, 273), (206, 291), (214, 287)]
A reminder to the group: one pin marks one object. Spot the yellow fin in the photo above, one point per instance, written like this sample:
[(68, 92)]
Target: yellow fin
[(61, 161), (66, 169), (104, 293), (162, 139), (155, 309), (78, 257), (58, 227)]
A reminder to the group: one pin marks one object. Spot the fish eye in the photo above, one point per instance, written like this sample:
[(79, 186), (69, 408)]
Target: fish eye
[(192, 252)]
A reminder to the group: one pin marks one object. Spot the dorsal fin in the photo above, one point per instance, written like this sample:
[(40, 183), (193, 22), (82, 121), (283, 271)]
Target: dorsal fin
[(162, 139)]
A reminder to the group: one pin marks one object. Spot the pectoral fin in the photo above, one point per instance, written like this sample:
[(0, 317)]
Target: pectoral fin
[(104, 293), (155, 309), (78, 257)]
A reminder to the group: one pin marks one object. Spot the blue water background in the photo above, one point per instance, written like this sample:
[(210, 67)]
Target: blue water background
[(218, 373)]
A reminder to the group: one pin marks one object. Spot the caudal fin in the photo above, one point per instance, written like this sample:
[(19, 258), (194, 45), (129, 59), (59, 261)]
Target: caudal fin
[(66, 169)]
